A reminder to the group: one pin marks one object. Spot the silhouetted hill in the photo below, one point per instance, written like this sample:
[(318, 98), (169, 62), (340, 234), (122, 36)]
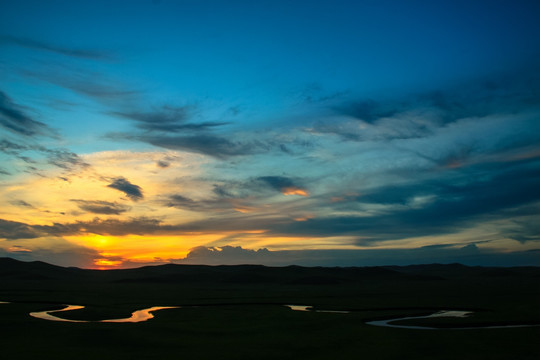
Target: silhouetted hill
[(34, 270), (11, 269)]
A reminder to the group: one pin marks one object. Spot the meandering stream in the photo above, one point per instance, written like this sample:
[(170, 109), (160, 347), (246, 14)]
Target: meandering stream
[(444, 313), (146, 314), (136, 316)]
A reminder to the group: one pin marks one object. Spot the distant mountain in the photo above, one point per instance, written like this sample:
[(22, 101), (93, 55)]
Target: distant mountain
[(15, 270)]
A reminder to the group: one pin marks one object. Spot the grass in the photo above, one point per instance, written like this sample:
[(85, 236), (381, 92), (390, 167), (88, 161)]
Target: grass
[(242, 317)]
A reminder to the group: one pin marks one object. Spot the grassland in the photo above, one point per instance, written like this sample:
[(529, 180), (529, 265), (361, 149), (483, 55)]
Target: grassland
[(237, 312)]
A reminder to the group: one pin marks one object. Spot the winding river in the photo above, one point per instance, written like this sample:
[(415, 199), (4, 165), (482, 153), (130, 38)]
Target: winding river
[(444, 313), (136, 316), (146, 314)]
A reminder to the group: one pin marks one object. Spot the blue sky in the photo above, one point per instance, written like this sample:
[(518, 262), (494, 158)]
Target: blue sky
[(328, 132)]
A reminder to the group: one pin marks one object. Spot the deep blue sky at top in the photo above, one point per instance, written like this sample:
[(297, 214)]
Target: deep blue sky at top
[(261, 54)]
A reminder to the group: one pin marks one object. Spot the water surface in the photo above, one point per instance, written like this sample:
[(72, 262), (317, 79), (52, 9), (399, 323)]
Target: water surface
[(136, 316), (310, 308)]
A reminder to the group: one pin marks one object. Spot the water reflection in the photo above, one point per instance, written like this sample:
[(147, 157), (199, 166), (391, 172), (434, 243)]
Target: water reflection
[(136, 316), (46, 315), (141, 315), (446, 313), (146, 314), (299, 307), (310, 308)]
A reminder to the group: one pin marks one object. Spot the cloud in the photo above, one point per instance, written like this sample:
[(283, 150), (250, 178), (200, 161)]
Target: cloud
[(14, 119), (216, 146), (21, 203), (13, 230), (64, 159), (367, 110), (226, 255), (420, 115), (469, 254), (58, 157), (430, 207), (168, 119), (283, 184), (95, 85), (259, 187), (524, 231), (163, 164), (134, 192), (43, 46), (101, 207)]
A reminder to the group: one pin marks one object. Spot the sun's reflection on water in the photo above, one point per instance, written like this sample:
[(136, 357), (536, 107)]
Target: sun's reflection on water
[(136, 316)]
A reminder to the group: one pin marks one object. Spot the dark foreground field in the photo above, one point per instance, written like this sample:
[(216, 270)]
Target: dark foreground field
[(237, 312)]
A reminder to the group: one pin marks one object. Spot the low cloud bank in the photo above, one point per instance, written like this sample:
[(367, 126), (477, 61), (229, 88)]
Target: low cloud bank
[(467, 255)]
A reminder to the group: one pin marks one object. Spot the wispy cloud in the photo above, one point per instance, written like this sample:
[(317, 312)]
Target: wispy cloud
[(101, 207), (168, 119), (58, 157), (45, 46), (212, 145), (15, 120), (21, 203)]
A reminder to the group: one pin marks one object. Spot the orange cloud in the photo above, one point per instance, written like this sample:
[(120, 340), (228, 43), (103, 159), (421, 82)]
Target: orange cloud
[(294, 190)]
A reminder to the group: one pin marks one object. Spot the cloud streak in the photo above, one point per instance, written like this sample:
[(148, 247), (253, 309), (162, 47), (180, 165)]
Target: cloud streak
[(101, 207), (44, 46), (14, 119)]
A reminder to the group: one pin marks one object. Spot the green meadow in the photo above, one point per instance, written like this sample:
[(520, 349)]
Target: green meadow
[(238, 312)]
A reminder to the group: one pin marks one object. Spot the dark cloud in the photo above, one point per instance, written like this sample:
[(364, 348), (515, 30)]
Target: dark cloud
[(367, 110), (524, 231), (216, 146), (259, 187), (64, 159), (167, 161), (38, 45), (283, 184), (280, 183), (13, 230), (59, 157), (226, 255), (101, 207), (460, 200), (219, 204), (14, 119), (167, 119), (180, 201), (469, 254), (134, 192), (163, 164), (420, 115), (431, 207)]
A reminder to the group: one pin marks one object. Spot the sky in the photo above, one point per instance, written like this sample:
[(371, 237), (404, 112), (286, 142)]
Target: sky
[(318, 133)]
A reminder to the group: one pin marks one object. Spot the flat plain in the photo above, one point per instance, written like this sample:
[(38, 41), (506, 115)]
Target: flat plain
[(239, 312)]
